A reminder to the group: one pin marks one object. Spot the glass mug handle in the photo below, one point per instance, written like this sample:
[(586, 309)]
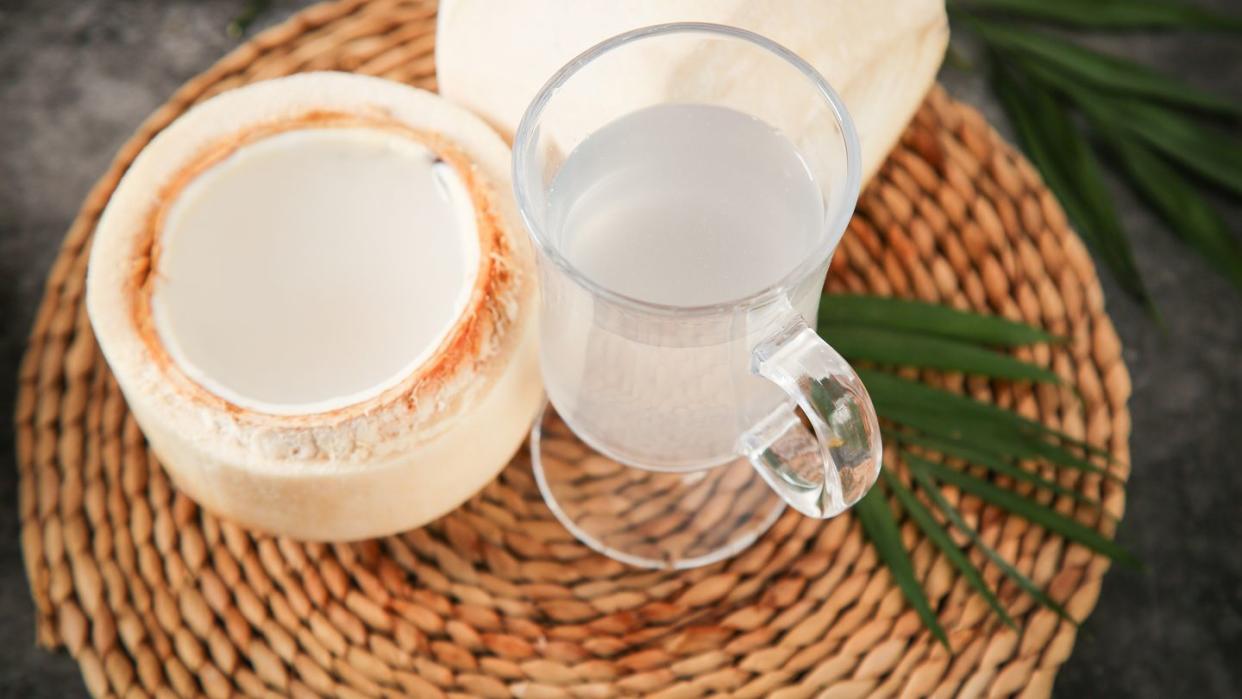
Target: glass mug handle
[(823, 470)]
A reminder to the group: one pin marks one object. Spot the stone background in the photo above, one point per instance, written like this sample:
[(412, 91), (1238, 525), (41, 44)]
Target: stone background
[(77, 76)]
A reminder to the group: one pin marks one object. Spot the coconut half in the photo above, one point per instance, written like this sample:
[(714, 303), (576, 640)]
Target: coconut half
[(880, 55), (317, 298)]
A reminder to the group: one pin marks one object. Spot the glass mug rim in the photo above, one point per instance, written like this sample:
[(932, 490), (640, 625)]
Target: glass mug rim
[(834, 225)]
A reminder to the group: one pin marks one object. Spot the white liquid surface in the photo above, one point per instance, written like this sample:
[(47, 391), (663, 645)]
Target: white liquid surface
[(686, 205), (680, 205), (314, 268)]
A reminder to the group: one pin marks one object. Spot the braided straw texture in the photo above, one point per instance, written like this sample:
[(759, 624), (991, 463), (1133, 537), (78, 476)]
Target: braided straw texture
[(155, 597)]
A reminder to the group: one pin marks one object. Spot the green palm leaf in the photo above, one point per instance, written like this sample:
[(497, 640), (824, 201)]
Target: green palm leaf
[(1188, 213), (1109, 14), (886, 346), (892, 313), (992, 459), (1133, 108), (941, 539), (881, 528), (1209, 152), (1071, 172), (950, 513), (1031, 511), (898, 396), (993, 435), (958, 426), (249, 13), (1099, 70)]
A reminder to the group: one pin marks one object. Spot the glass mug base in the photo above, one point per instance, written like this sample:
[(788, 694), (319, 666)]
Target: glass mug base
[(649, 518)]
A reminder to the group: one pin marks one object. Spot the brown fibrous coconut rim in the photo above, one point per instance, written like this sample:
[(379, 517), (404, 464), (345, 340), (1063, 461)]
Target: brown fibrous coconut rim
[(481, 318)]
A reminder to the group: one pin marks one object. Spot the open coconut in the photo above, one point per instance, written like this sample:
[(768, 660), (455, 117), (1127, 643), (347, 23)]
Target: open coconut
[(880, 55), (317, 298)]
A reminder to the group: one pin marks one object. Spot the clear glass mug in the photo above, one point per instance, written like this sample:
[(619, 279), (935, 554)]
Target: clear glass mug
[(680, 433)]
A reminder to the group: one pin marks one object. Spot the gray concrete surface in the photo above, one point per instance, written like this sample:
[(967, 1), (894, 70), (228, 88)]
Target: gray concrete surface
[(77, 76)]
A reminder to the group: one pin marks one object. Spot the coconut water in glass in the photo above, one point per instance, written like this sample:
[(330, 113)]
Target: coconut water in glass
[(684, 229)]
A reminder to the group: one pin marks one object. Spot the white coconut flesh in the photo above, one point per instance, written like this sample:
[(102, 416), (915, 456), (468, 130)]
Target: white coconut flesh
[(314, 268), (880, 55)]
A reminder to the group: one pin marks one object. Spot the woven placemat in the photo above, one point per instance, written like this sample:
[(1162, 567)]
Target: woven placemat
[(154, 596)]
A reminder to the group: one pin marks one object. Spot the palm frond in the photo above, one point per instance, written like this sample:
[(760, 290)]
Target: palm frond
[(941, 539), (952, 425), (881, 528), (1109, 14), (1154, 127)]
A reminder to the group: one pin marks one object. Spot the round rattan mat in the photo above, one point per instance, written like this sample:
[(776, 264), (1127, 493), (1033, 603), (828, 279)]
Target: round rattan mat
[(154, 596)]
